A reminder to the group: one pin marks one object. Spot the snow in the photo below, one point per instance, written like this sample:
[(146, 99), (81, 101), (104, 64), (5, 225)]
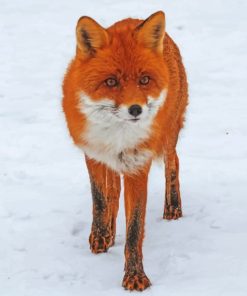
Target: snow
[(45, 203)]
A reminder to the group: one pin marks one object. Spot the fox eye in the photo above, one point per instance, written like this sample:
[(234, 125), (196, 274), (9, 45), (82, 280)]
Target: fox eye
[(111, 82), (144, 80)]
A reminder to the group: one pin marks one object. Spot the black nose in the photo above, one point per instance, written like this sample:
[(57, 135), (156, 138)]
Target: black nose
[(135, 110)]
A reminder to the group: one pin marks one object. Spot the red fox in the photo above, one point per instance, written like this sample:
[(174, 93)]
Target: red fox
[(125, 95)]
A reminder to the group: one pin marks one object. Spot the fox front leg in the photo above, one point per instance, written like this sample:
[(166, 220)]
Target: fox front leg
[(135, 208), (105, 187)]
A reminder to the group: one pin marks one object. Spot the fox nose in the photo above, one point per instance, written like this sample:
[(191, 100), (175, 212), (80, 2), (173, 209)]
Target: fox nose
[(135, 110)]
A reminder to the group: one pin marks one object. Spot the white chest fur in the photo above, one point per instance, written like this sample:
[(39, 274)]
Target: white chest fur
[(111, 138)]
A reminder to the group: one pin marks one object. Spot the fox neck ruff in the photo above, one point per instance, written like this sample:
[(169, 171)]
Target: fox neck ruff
[(112, 136)]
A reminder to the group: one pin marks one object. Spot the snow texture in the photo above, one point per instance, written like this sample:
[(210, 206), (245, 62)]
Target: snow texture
[(45, 202)]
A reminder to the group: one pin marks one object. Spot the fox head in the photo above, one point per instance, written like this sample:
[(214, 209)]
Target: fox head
[(121, 73)]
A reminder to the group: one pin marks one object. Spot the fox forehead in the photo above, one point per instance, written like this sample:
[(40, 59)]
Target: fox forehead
[(123, 55), (124, 59), (125, 62)]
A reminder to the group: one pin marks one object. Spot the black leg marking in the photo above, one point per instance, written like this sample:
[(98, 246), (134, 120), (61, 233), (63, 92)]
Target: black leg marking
[(174, 196), (101, 234), (134, 261), (98, 198), (172, 202), (134, 231), (135, 277), (173, 191)]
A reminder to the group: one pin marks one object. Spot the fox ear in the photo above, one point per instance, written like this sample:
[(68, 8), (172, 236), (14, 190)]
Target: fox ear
[(151, 32), (90, 36)]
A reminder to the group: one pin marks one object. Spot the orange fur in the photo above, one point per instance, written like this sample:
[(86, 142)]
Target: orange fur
[(126, 51)]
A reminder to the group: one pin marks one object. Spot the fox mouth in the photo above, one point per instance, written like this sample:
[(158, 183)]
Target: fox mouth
[(134, 119)]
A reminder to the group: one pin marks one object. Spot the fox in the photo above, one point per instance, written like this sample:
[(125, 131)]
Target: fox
[(124, 98)]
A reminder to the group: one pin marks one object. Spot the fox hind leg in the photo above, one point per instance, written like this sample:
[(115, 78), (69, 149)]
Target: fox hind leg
[(173, 207)]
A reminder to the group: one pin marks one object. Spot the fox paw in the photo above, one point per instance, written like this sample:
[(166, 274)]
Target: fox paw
[(138, 282), (172, 213), (99, 243)]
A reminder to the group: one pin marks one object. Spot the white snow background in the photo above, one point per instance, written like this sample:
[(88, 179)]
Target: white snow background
[(45, 201)]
